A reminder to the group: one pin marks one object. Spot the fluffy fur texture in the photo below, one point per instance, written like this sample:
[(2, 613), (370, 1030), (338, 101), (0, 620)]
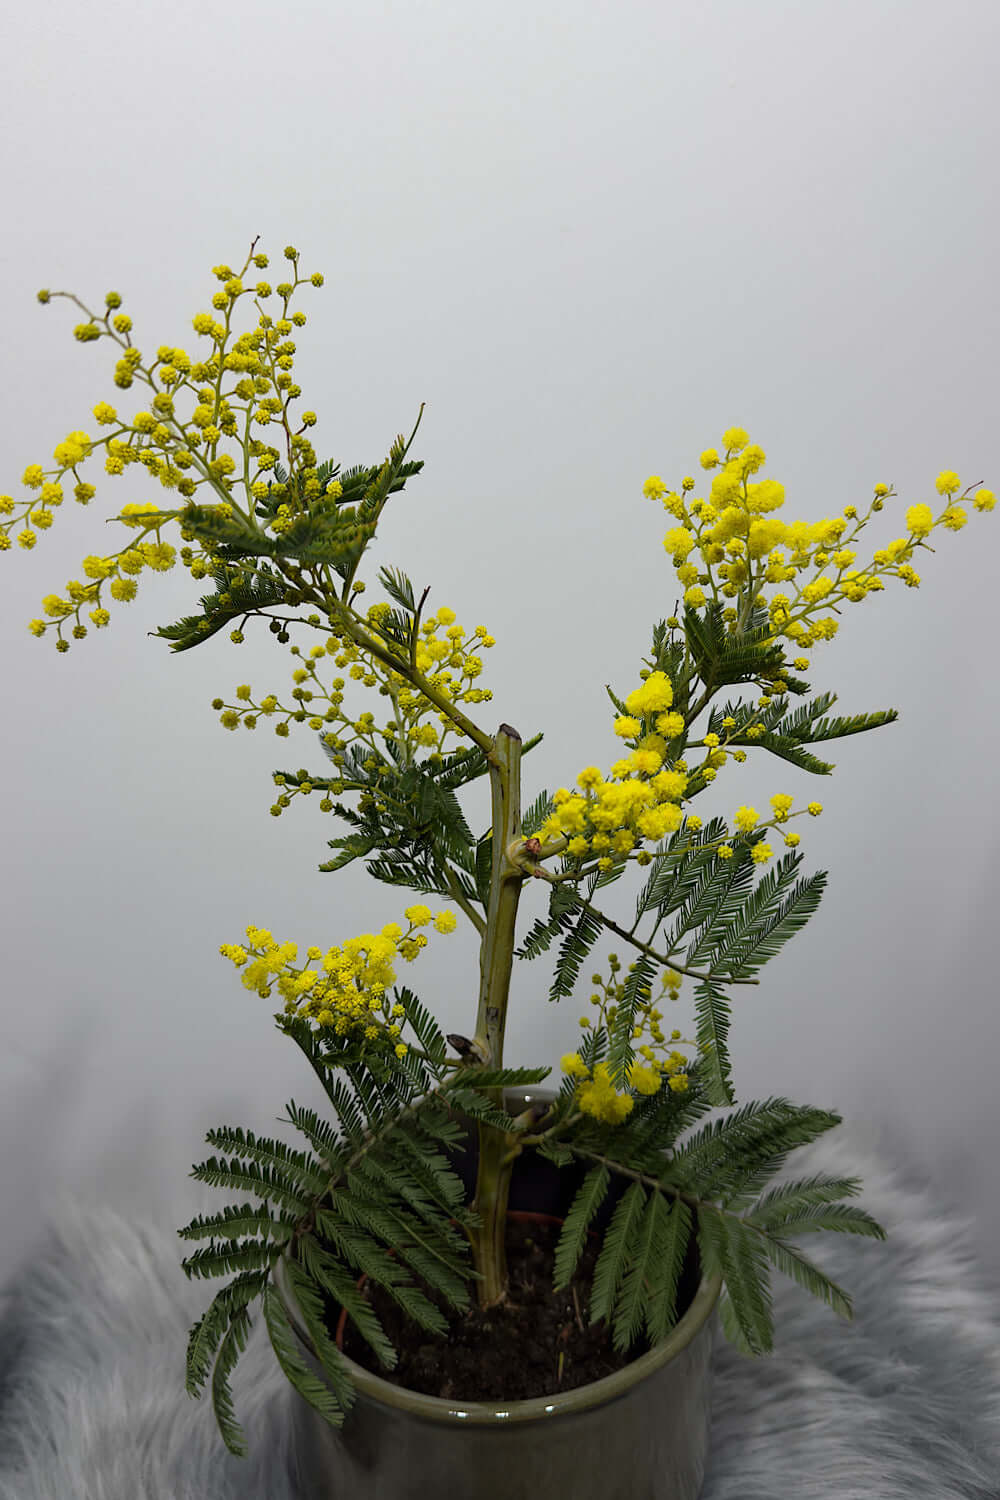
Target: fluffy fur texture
[(903, 1404)]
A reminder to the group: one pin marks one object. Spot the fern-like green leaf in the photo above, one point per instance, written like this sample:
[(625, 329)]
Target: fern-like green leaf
[(612, 1262), (297, 1167), (234, 1222), (572, 1237), (266, 1183), (728, 1247), (649, 1247), (712, 1010), (576, 945), (231, 1348), (321, 1398), (217, 1258), (665, 1274), (790, 1260), (309, 1300), (790, 1198), (206, 1334), (343, 1288), (837, 1218)]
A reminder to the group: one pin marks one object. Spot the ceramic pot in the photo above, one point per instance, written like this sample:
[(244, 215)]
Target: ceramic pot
[(639, 1434)]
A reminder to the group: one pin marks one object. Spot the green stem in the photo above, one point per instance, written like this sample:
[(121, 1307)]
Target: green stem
[(497, 1147)]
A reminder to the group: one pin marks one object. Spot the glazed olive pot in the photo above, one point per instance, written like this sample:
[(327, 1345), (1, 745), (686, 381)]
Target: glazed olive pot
[(639, 1434)]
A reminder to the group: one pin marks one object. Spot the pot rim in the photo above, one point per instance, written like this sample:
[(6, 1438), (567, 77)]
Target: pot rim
[(452, 1412)]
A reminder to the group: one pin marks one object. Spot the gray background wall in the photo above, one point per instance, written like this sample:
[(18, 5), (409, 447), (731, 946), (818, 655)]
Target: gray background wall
[(590, 238)]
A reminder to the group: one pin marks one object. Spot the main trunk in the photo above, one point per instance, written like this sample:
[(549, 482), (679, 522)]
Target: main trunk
[(495, 963)]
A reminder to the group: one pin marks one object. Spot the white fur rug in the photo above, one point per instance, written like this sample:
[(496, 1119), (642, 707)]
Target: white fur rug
[(903, 1404)]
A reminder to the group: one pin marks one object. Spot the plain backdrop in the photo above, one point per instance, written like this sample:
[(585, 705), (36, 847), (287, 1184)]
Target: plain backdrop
[(590, 237)]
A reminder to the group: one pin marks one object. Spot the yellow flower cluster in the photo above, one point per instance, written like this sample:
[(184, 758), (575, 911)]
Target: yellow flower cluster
[(595, 1093), (742, 546), (448, 657), (346, 990), (640, 799), (117, 571), (182, 453)]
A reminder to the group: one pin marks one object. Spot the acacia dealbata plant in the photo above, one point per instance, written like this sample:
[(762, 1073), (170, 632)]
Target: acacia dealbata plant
[(278, 536)]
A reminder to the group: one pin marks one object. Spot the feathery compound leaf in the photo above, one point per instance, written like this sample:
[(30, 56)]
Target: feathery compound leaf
[(217, 1258), (425, 1027), (484, 867), (838, 1218), (536, 814), (247, 1177), (712, 1010), (665, 1274), (646, 1252), (562, 908), (636, 990), (729, 1247), (222, 1397), (719, 888), (309, 1300), (398, 587), (233, 1222), (766, 922), (473, 1104), (792, 1262), (496, 1078), (299, 1169), (731, 1326), (793, 752), (613, 1259), (319, 1133), (206, 1334), (296, 1371), (790, 1198), (341, 1285), (576, 945), (589, 1197), (736, 1154)]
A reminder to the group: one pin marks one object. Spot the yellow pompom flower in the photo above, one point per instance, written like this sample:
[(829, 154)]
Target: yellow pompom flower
[(984, 499), (920, 520), (654, 488), (445, 921), (815, 808), (627, 727), (781, 803), (745, 819), (644, 1080), (678, 542), (670, 725), (734, 439), (655, 694), (418, 916), (574, 1066), (947, 482)]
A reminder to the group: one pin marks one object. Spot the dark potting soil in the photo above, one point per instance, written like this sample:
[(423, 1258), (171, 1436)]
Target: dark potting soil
[(537, 1343)]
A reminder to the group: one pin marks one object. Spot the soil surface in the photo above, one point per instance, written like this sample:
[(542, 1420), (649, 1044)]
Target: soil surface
[(536, 1344)]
